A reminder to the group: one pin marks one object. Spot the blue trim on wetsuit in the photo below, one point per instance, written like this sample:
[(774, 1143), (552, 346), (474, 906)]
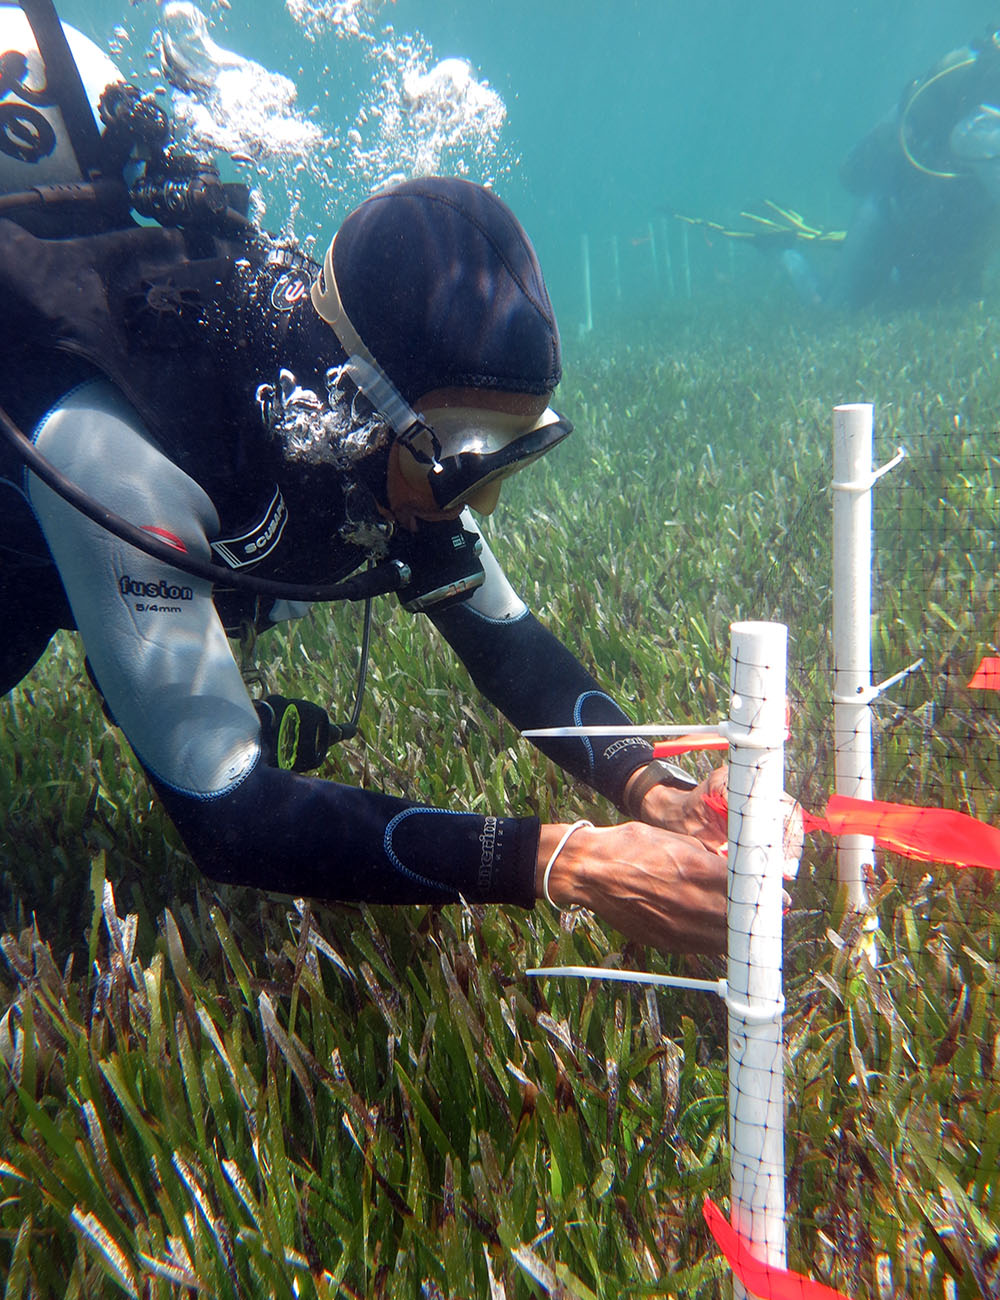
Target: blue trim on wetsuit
[(301, 835), (536, 682)]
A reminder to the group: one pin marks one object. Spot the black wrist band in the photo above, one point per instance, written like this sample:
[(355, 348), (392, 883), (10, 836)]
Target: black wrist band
[(656, 772)]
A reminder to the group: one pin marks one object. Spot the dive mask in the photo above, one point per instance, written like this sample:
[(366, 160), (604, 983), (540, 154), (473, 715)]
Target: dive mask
[(462, 449), (465, 449)]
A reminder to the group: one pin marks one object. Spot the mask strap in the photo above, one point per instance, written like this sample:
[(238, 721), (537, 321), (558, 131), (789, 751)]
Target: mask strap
[(408, 440), (361, 365)]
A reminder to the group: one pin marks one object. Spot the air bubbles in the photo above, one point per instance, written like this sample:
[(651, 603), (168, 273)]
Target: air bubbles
[(347, 19), (120, 38), (424, 117), (420, 115), (407, 113), (225, 103)]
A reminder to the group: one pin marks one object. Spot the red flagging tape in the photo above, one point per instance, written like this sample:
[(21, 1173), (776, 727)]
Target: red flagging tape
[(718, 803), (766, 1281), (926, 834), (685, 744), (987, 675)]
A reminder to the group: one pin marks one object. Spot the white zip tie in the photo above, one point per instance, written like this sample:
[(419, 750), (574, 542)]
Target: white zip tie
[(762, 1015), (582, 824), (749, 738), (868, 694), (753, 737), (719, 987), (867, 483), (769, 1013)]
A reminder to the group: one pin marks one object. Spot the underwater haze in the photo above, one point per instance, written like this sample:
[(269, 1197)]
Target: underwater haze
[(594, 120), (231, 1097)]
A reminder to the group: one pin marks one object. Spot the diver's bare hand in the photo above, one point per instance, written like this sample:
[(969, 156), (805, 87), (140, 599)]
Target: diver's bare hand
[(655, 886), (702, 812)]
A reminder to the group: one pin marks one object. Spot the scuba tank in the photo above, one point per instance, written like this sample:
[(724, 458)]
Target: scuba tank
[(49, 102), (81, 148)]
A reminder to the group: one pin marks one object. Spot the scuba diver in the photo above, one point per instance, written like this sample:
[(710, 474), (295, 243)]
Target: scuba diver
[(204, 431), (927, 180)]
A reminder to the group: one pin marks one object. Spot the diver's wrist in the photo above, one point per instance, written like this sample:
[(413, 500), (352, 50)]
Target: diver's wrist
[(654, 775)]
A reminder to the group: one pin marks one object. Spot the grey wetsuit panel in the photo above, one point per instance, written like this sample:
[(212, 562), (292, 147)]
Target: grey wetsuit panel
[(152, 635), (496, 599)]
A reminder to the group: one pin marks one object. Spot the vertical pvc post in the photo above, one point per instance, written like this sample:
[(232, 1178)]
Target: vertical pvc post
[(654, 256), (616, 268), (852, 641), (668, 263), (686, 260), (588, 313), (754, 980)]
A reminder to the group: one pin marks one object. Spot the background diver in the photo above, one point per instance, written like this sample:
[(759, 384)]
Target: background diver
[(927, 183)]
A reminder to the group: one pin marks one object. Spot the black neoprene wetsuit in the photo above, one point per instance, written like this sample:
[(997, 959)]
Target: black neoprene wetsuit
[(139, 376)]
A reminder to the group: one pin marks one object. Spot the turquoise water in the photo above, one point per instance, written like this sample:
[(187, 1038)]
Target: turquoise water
[(615, 114)]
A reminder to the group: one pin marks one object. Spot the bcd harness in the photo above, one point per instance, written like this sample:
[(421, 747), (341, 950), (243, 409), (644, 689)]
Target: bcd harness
[(185, 319)]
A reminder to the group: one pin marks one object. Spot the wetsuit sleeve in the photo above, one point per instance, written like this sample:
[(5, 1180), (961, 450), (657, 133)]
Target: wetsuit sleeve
[(535, 681), (162, 661)]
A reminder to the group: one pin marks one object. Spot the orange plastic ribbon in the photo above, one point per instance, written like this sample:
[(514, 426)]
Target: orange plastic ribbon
[(685, 744), (925, 834), (987, 675), (766, 1281)]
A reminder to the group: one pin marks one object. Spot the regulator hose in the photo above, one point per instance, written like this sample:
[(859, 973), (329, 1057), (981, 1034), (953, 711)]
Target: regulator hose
[(387, 576)]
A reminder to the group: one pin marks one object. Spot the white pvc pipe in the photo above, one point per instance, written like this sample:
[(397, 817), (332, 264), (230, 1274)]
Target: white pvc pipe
[(852, 650), (616, 269), (754, 981), (654, 258), (667, 260), (588, 312), (686, 260)]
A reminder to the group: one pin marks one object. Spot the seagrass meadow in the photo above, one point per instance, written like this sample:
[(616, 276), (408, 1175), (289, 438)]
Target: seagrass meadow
[(208, 1092)]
